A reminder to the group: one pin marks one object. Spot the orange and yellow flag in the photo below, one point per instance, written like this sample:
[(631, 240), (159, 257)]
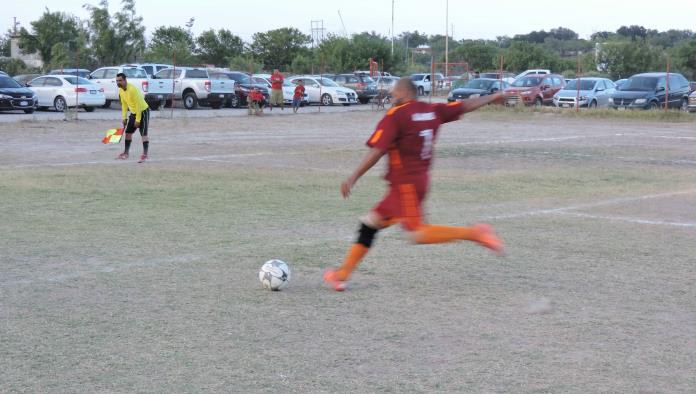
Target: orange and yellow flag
[(113, 136)]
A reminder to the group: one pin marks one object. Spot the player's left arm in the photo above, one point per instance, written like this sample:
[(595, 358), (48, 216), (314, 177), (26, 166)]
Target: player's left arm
[(369, 161), (470, 105)]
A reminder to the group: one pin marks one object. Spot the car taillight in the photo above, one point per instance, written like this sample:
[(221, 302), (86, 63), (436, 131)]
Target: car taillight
[(207, 85), (146, 86), (101, 90), (80, 90)]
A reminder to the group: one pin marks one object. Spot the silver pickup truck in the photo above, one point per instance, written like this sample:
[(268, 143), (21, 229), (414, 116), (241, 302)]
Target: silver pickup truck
[(155, 93), (195, 87)]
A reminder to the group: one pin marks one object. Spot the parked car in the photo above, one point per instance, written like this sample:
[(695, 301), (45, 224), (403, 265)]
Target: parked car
[(534, 89), (194, 87), (325, 91), (532, 72), (505, 76), (79, 72), (385, 84), (156, 93), (63, 91), (242, 86), (620, 82), (649, 91), (363, 85), (422, 82), (288, 88), (692, 87), (3, 73), (14, 96), (692, 102), (23, 79), (150, 68), (477, 88), (375, 74), (593, 93)]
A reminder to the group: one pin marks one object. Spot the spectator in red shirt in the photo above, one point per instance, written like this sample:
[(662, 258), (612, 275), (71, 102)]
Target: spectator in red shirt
[(298, 96), (277, 90), (255, 102)]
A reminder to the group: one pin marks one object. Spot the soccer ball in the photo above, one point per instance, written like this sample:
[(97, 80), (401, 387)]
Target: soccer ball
[(274, 275)]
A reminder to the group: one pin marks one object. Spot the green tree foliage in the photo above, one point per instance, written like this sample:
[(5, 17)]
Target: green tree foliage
[(50, 29), (478, 53), (621, 59), (218, 47), (171, 43), (277, 48), (245, 63), (5, 45), (684, 58), (525, 55), (12, 66), (340, 54), (301, 64), (117, 38)]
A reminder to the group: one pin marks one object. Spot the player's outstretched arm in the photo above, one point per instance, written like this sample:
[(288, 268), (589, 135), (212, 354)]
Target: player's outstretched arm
[(470, 105), (370, 159)]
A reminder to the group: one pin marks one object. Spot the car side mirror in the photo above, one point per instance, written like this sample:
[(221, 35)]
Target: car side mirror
[(660, 89), (600, 89), (545, 87)]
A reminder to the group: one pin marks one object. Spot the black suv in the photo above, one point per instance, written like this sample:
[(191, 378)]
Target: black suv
[(242, 86), (364, 86), (649, 91), (14, 96)]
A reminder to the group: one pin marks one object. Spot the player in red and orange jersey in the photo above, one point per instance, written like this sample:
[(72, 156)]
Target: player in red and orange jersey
[(407, 134)]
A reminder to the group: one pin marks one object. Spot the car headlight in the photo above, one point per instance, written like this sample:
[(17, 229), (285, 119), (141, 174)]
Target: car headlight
[(611, 100), (527, 93), (5, 97), (582, 98), (641, 101)]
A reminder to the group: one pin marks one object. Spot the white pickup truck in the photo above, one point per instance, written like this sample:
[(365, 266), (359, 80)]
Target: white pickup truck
[(156, 93), (195, 87)]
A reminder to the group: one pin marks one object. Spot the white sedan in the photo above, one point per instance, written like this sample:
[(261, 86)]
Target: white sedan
[(62, 91), (325, 91)]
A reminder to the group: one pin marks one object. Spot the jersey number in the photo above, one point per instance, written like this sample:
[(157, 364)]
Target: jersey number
[(427, 151)]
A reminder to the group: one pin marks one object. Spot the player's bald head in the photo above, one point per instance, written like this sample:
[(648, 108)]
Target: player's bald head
[(404, 90)]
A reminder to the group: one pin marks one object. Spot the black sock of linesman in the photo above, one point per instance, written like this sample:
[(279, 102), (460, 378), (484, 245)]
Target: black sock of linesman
[(128, 142), (146, 144)]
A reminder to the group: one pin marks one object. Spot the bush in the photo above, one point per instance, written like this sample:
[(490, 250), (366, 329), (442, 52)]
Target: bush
[(13, 66)]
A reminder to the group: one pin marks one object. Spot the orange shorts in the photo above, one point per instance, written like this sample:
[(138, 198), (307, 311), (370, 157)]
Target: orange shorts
[(402, 204)]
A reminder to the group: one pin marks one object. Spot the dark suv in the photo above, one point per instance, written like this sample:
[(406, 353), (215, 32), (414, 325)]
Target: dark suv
[(242, 86), (364, 86), (649, 91)]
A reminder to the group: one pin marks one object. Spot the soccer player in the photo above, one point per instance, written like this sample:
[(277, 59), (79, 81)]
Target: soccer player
[(407, 134), (298, 96), (132, 101), (277, 90)]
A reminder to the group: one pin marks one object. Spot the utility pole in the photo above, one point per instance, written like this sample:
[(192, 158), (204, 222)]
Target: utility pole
[(392, 29), (446, 37)]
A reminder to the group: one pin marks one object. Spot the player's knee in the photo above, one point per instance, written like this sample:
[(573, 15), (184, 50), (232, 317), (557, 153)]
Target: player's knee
[(366, 235)]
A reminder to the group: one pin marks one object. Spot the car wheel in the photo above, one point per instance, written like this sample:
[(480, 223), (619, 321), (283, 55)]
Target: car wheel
[(155, 106), (326, 99), (421, 91), (59, 104), (538, 103), (234, 101), (29, 111), (684, 105), (364, 100), (168, 103), (89, 109), (190, 100), (593, 104), (346, 105), (107, 104), (654, 105)]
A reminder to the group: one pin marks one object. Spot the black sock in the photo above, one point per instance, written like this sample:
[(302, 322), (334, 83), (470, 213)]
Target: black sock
[(145, 146), (128, 142)]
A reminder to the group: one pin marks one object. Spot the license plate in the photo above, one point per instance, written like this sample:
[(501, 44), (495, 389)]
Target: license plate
[(92, 92), (159, 96), (566, 105), (222, 96), (475, 96), (23, 104), (622, 108)]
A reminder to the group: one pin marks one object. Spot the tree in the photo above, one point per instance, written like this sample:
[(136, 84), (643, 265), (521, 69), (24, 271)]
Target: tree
[(301, 64), (116, 39), (218, 48), (171, 41), (341, 54), (479, 54), (50, 29), (622, 59), (684, 57), (277, 48), (5, 46), (633, 32), (245, 63), (524, 55), (563, 34), (12, 66)]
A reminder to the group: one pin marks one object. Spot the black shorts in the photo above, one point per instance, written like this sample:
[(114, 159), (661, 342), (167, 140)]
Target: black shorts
[(144, 122)]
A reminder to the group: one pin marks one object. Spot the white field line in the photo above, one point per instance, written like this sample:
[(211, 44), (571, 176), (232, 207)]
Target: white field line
[(628, 219), (596, 204)]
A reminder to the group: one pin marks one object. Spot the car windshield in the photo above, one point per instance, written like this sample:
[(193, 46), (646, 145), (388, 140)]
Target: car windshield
[(478, 84), (288, 83), (416, 77), (76, 81), (134, 73), (527, 82), (241, 78), (367, 79), (640, 84), (327, 82), (7, 82), (585, 84)]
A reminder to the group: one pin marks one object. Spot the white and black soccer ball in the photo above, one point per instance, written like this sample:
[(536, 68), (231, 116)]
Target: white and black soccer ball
[(274, 275)]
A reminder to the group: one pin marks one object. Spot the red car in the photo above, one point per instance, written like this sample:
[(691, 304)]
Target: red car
[(534, 89)]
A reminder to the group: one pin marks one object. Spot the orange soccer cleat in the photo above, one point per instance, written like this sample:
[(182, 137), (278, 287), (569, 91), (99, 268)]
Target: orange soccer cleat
[(486, 237), (331, 278)]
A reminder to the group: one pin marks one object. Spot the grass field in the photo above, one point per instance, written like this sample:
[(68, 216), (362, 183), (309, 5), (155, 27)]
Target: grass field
[(120, 277)]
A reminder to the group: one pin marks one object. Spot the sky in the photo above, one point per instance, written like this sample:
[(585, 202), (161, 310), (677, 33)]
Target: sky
[(467, 19)]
